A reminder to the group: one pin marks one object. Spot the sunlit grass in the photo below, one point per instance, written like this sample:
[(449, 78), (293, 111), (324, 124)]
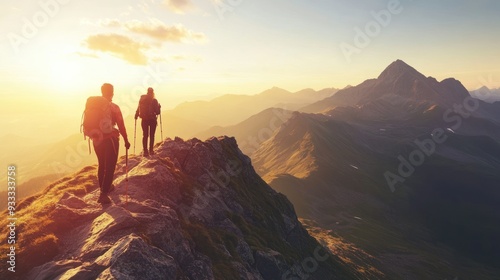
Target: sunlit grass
[(37, 240)]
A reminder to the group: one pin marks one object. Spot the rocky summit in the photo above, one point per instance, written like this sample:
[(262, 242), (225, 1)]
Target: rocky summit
[(195, 210)]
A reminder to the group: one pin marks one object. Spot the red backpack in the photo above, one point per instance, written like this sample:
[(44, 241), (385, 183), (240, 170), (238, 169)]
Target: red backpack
[(97, 118)]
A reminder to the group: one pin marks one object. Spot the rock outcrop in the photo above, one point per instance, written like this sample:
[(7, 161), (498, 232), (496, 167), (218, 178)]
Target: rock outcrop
[(195, 210)]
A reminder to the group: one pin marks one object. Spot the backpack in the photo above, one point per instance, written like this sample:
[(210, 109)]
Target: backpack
[(97, 118), (147, 108)]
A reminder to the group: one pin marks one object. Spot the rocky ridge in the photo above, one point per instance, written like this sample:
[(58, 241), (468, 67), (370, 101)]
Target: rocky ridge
[(196, 210)]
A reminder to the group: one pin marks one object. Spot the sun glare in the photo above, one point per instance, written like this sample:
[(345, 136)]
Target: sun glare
[(65, 76)]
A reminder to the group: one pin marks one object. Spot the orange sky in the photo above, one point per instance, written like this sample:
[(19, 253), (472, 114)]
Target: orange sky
[(55, 53)]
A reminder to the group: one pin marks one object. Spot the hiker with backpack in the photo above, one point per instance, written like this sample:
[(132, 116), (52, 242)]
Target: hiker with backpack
[(148, 110), (100, 118)]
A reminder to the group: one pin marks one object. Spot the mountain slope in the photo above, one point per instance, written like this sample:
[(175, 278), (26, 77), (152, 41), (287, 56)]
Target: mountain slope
[(333, 172), (28, 188), (253, 131), (436, 214), (197, 210)]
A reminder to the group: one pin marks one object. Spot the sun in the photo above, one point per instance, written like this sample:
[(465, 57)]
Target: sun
[(65, 75)]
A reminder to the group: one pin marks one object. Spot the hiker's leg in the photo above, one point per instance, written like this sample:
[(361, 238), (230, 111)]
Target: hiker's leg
[(111, 159), (100, 151), (152, 130), (145, 128)]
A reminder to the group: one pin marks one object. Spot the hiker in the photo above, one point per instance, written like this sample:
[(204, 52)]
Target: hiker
[(148, 110), (101, 117)]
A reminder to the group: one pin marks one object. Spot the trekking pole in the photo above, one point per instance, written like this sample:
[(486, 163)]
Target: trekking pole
[(161, 128), (135, 133), (126, 176)]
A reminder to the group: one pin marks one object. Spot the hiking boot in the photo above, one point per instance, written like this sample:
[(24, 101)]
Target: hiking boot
[(104, 199), (145, 153)]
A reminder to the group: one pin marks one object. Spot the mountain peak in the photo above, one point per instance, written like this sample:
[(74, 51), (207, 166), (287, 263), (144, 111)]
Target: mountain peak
[(399, 83), (275, 90), (397, 69), (196, 208), (483, 88)]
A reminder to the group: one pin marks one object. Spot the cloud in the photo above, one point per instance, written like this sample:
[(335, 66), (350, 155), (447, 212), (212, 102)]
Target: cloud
[(133, 51), (159, 30), (178, 6), (110, 22), (120, 46), (156, 29)]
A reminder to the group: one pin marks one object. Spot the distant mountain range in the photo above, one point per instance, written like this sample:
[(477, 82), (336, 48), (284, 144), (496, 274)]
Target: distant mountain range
[(486, 94), (232, 109), (404, 167)]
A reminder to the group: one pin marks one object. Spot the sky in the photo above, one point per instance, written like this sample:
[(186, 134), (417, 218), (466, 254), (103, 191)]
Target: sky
[(56, 53)]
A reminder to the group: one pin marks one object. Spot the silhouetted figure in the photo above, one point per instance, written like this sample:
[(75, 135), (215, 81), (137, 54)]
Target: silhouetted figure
[(148, 110), (101, 118)]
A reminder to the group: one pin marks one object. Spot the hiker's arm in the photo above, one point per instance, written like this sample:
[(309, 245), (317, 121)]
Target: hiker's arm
[(137, 111), (121, 124), (157, 106)]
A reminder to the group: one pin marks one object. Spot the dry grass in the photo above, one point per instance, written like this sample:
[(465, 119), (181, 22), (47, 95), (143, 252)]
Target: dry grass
[(355, 258), (36, 240)]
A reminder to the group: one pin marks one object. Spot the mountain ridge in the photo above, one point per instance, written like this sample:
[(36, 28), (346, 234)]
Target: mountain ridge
[(196, 210), (397, 81)]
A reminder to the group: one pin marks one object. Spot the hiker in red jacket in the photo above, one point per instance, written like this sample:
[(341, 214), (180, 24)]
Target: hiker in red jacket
[(148, 110), (106, 148)]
